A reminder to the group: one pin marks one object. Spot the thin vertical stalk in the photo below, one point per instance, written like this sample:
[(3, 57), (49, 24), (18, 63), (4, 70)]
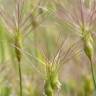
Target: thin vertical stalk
[(92, 72), (20, 78), (19, 46), (18, 56)]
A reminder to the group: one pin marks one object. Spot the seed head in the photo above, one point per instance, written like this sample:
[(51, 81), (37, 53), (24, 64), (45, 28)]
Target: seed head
[(88, 45), (52, 81), (48, 88), (55, 83), (18, 44)]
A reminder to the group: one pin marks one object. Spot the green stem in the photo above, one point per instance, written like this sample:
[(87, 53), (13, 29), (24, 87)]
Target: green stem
[(20, 78), (92, 72), (18, 55)]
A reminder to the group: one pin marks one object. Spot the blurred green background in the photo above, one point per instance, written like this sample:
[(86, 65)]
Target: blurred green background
[(42, 40)]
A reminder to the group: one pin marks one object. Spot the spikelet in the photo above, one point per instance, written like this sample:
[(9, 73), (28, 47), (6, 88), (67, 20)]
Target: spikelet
[(18, 44), (54, 78), (52, 81), (89, 51), (88, 45)]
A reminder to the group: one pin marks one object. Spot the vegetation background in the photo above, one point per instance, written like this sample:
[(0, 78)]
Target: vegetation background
[(45, 26)]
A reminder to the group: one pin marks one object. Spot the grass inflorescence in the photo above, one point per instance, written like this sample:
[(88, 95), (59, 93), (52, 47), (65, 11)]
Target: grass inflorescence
[(39, 32)]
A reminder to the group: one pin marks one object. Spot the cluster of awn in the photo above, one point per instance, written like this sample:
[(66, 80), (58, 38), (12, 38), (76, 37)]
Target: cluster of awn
[(83, 20)]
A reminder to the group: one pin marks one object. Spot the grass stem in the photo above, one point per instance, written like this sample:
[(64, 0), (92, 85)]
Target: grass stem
[(20, 78), (92, 72)]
